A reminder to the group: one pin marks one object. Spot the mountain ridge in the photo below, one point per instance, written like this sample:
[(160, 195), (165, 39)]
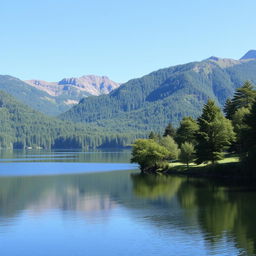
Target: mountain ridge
[(251, 54), (52, 98), (165, 95), (91, 84)]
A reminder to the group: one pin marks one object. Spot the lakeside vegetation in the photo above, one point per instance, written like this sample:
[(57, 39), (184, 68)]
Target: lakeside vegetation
[(199, 146)]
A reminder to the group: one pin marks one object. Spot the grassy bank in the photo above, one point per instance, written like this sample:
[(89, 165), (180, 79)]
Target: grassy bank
[(229, 167)]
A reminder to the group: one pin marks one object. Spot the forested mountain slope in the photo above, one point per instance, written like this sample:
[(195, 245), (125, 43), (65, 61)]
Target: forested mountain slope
[(36, 99), (22, 127), (164, 96), (53, 98)]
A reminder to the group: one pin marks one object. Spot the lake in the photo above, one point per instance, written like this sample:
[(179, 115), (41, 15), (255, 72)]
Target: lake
[(97, 203)]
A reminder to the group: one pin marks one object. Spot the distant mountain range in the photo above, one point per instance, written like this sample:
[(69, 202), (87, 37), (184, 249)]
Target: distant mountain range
[(139, 105), (53, 98), (89, 85), (166, 95)]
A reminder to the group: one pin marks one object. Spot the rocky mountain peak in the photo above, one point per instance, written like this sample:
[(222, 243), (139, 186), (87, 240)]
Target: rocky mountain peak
[(84, 85)]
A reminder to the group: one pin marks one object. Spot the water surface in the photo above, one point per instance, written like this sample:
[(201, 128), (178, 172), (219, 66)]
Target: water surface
[(106, 209)]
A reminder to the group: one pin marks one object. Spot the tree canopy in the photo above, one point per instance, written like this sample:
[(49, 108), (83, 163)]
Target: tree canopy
[(214, 135)]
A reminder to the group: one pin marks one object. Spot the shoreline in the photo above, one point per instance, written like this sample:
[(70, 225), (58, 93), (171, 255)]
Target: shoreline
[(220, 171)]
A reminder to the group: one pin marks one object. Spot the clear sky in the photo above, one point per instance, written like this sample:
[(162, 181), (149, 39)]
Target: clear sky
[(52, 39)]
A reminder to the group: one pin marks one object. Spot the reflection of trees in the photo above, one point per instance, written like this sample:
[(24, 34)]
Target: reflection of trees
[(221, 211), (155, 186)]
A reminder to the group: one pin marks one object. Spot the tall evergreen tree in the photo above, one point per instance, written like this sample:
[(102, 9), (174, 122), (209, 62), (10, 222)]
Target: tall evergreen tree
[(249, 137), (228, 108), (169, 131), (214, 135), (243, 98), (240, 129), (152, 136)]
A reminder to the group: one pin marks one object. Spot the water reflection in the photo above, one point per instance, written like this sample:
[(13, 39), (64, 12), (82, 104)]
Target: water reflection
[(87, 193), (223, 213), (100, 156)]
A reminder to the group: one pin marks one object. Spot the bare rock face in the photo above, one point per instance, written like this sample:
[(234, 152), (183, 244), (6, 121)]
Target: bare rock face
[(84, 86), (95, 85)]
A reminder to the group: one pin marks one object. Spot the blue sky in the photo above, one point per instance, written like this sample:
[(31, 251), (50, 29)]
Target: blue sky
[(52, 39)]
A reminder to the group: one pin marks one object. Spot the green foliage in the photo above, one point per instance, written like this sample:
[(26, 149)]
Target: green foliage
[(169, 131), (228, 108), (238, 119), (187, 131), (215, 134), (249, 136), (243, 98), (240, 129), (169, 143), (149, 154), (22, 127), (154, 136), (187, 153)]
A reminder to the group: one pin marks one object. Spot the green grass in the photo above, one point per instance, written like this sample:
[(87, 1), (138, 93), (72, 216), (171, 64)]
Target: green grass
[(226, 160), (230, 159), (180, 167)]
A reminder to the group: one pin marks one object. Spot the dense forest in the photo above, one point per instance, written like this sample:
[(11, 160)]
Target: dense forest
[(207, 139), (22, 127), (165, 96)]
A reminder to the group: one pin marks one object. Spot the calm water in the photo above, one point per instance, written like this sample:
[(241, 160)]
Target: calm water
[(90, 210)]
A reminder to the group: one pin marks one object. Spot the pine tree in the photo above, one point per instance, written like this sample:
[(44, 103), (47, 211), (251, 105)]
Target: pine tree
[(169, 131), (214, 135), (240, 129), (228, 108), (249, 137), (243, 98)]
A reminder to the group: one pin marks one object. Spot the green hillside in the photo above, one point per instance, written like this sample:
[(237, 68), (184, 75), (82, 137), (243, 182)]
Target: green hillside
[(22, 127), (166, 95), (36, 99)]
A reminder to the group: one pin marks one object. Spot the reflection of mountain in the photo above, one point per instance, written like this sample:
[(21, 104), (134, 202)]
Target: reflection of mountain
[(86, 205), (86, 193)]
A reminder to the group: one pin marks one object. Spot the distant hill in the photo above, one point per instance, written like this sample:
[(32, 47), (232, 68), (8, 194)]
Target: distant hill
[(21, 127), (53, 98), (166, 95), (249, 55)]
